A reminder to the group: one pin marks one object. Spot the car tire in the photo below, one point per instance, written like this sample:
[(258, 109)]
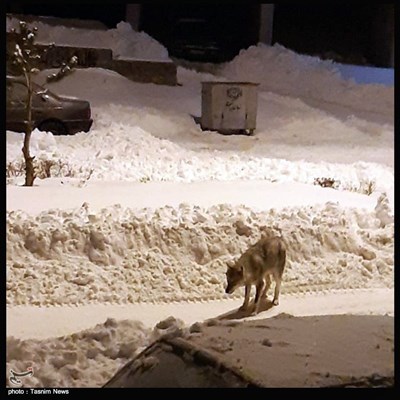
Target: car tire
[(53, 126)]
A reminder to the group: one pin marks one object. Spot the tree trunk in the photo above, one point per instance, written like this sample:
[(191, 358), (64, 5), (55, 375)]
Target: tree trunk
[(29, 169)]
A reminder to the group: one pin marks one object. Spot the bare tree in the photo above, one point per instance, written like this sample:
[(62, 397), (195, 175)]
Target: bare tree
[(25, 60)]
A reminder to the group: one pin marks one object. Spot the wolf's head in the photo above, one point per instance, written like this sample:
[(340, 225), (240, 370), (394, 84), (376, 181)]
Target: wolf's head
[(234, 277)]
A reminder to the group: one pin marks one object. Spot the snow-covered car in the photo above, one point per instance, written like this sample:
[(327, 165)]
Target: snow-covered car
[(51, 113)]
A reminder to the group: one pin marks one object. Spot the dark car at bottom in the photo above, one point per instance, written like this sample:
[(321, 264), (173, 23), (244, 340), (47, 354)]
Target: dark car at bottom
[(60, 115)]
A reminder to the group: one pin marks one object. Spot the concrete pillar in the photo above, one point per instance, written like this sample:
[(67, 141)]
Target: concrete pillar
[(391, 59), (266, 23), (132, 15), (391, 35)]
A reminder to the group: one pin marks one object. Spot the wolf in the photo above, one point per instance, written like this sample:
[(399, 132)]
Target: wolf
[(254, 267)]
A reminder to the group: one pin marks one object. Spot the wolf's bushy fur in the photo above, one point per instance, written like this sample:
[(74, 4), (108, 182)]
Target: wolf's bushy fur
[(254, 267)]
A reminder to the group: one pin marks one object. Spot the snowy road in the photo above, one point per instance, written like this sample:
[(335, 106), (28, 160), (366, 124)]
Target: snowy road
[(254, 194), (45, 322)]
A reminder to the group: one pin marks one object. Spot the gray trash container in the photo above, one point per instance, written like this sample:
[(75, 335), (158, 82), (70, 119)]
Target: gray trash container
[(229, 107)]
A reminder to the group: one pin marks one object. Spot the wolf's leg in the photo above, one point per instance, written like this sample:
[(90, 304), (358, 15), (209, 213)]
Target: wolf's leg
[(267, 285), (277, 279), (246, 297), (260, 289)]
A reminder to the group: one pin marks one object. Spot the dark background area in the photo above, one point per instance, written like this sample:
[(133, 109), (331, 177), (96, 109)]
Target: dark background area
[(349, 30), (348, 33), (232, 28), (109, 14)]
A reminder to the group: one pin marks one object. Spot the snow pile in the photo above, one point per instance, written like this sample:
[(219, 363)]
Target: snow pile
[(84, 359), (119, 151), (171, 254), (122, 40), (384, 211), (283, 71)]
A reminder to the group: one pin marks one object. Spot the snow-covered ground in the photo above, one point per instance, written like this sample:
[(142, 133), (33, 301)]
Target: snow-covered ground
[(140, 215)]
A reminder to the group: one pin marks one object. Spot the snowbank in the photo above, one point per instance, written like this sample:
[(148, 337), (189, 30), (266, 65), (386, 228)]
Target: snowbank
[(283, 71), (122, 40), (84, 359), (118, 151), (126, 256)]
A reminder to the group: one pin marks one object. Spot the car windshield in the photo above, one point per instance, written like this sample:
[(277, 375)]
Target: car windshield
[(17, 90), (42, 90)]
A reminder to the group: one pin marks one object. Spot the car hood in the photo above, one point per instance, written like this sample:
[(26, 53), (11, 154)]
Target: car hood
[(72, 99)]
